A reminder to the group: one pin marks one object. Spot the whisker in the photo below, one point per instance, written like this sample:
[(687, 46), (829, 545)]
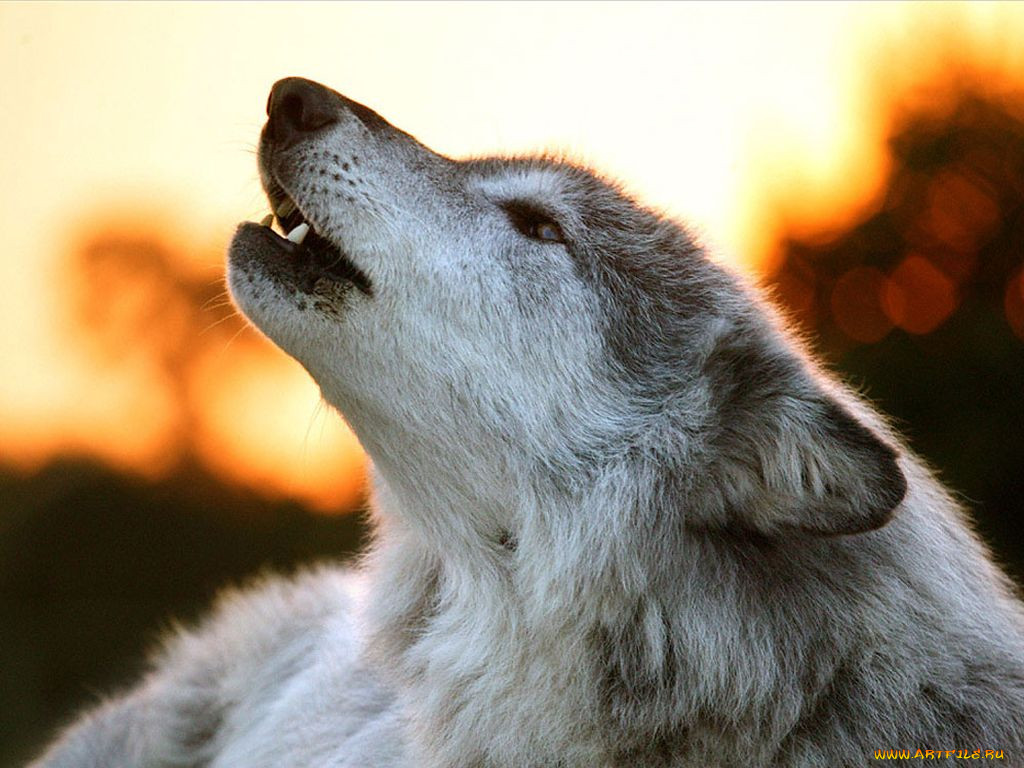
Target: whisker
[(215, 323), (245, 327), (224, 297)]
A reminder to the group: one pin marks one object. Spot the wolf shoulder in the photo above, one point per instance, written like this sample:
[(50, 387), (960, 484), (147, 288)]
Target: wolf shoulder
[(273, 676)]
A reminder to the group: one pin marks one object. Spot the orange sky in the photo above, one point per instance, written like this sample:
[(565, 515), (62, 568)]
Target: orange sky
[(721, 113)]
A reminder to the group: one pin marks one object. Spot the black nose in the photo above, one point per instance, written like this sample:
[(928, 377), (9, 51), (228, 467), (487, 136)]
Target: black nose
[(297, 107)]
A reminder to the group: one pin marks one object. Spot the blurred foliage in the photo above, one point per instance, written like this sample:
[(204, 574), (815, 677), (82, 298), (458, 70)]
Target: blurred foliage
[(136, 304), (95, 565), (921, 303)]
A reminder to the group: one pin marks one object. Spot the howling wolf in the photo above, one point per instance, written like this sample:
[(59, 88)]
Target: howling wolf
[(621, 517)]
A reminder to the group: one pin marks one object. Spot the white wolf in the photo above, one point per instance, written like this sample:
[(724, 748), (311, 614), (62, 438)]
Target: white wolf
[(621, 518)]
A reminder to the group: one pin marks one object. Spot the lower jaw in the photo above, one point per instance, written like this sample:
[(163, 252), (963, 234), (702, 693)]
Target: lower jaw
[(297, 265)]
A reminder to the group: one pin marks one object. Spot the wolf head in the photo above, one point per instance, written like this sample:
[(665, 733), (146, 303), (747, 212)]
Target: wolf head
[(498, 328)]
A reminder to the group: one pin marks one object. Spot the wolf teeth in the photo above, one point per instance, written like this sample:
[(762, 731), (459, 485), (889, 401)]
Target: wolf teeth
[(285, 208), (298, 234)]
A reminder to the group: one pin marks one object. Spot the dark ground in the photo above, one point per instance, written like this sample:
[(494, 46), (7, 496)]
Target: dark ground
[(94, 566)]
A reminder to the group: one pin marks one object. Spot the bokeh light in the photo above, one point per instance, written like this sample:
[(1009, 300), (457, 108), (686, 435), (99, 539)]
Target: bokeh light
[(1014, 303), (917, 296)]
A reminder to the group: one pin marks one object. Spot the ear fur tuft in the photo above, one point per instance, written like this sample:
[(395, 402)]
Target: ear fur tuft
[(867, 483), (791, 457)]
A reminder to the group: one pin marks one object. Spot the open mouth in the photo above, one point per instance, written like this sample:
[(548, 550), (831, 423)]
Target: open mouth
[(307, 249)]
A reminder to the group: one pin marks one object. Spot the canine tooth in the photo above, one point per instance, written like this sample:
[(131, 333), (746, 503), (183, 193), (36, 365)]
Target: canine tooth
[(266, 220), (286, 208), (298, 234)]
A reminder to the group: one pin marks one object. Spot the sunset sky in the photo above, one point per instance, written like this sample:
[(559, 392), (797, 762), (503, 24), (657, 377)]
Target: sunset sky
[(149, 113)]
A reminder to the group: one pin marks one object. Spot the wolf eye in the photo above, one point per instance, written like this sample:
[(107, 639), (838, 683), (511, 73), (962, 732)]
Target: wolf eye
[(534, 222), (547, 230)]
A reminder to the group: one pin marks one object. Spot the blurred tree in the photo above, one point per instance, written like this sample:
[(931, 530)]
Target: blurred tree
[(922, 302), (134, 303)]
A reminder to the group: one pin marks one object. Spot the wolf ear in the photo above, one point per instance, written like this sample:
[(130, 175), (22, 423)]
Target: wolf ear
[(792, 457)]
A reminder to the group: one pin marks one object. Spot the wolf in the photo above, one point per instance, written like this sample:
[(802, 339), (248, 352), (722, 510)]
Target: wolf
[(622, 517)]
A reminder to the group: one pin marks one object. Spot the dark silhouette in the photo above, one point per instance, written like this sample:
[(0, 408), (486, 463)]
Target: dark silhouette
[(133, 302)]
